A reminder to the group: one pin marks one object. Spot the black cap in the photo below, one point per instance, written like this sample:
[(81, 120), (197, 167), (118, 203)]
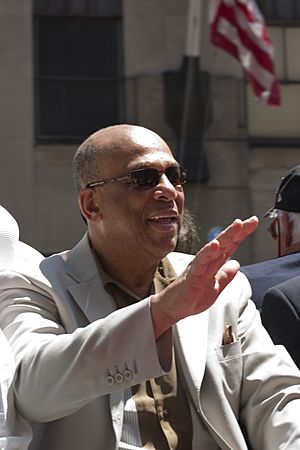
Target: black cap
[(288, 193)]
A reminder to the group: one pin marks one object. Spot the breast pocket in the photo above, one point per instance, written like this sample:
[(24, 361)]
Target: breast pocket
[(229, 369)]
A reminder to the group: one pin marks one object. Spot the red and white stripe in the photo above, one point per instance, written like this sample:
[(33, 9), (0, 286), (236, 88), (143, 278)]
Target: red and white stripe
[(238, 27)]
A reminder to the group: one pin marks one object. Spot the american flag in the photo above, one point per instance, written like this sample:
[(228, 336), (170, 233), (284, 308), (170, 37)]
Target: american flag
[(238, 27)]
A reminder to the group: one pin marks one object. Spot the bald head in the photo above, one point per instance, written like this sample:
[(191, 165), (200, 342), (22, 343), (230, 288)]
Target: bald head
[(98, 153)]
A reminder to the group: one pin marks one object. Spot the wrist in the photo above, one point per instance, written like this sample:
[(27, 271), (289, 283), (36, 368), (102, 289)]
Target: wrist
[(161, 320)]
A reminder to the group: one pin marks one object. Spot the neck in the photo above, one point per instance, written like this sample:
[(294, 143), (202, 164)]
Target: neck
[(137, 278), (133, 272)]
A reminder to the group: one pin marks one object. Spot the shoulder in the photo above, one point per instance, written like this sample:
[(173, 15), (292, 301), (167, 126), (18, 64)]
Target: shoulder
[(287, 261), (290, 286), (260, 267)]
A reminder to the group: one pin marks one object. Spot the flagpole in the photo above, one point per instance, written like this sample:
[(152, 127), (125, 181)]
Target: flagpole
[(192, 54)]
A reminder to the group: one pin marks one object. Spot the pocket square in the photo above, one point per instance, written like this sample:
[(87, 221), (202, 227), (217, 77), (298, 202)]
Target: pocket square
[(228, 337)]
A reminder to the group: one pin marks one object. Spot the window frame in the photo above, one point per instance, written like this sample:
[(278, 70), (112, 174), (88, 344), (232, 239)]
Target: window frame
[(61, 138), (274, 20)]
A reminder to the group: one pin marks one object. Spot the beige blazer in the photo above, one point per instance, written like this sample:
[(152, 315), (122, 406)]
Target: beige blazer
[(76, 354)]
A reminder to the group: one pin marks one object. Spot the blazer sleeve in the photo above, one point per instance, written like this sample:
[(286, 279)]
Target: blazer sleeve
[(59, 372), (280, 316)]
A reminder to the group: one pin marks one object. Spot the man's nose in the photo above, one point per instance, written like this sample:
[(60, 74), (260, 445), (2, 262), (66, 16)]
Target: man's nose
[(165, 190)]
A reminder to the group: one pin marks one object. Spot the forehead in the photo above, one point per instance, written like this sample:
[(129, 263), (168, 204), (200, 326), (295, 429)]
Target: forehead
[(140, 148), (148, 157)]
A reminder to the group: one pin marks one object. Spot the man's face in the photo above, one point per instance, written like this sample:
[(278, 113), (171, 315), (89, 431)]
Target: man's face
[(140, 222)]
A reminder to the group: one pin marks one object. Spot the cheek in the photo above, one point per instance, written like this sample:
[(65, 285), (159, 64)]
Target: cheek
[(123, 207)]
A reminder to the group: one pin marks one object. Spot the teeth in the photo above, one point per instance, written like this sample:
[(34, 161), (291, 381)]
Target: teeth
[(163, 218)]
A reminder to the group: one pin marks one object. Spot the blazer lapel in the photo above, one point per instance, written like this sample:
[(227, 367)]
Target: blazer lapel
[(85, 285), (92, 298), (190, 337)]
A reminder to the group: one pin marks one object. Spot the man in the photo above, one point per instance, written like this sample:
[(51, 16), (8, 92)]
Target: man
[(285, 229), (121, 344)]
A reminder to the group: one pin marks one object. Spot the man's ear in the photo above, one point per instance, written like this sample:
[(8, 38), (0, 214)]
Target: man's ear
[(89, 205)]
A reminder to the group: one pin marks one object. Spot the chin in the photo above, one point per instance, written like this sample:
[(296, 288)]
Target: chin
[(162, 246), (168, 247)]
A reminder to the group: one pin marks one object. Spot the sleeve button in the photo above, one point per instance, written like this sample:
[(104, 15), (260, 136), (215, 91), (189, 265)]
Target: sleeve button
[(119, 378), (110, 380), (127, 374)]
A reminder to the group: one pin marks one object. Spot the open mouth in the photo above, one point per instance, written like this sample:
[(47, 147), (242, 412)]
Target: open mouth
[(164, 222)]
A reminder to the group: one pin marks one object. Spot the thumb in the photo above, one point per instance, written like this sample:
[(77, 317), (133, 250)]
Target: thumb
[(226, 273)]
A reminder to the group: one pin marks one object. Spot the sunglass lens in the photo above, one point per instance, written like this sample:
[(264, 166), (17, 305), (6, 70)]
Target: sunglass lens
[(176, 175), (147, 178), (144, 178)]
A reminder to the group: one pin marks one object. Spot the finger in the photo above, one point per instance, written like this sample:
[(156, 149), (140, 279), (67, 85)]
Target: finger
[(248, 227), (230, 238), (252, 223), (236, 230), (212, 288), (213, 255), (226, 273), (201, 274), (205, 256)]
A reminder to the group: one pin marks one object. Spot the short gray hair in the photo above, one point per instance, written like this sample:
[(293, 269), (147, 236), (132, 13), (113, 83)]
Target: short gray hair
[(85, 162)]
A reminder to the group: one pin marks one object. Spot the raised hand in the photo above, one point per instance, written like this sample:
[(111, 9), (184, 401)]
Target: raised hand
[(197, 288)]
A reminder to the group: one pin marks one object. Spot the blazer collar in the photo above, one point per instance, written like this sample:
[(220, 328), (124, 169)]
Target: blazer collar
[(81, 263), (86, 286)]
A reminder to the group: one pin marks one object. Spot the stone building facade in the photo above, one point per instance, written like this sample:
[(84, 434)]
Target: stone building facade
[(245, 146)]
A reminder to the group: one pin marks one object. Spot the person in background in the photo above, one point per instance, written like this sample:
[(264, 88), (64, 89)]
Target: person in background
[(122, 343), (15, 432), (285, 229), (281, 315)]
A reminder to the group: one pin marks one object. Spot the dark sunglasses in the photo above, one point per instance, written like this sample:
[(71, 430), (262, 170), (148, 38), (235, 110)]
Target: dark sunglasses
[(147, 178)]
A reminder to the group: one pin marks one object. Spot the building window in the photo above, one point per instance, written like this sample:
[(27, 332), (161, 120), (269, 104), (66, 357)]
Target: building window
[(279, 11), (78, 70)]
